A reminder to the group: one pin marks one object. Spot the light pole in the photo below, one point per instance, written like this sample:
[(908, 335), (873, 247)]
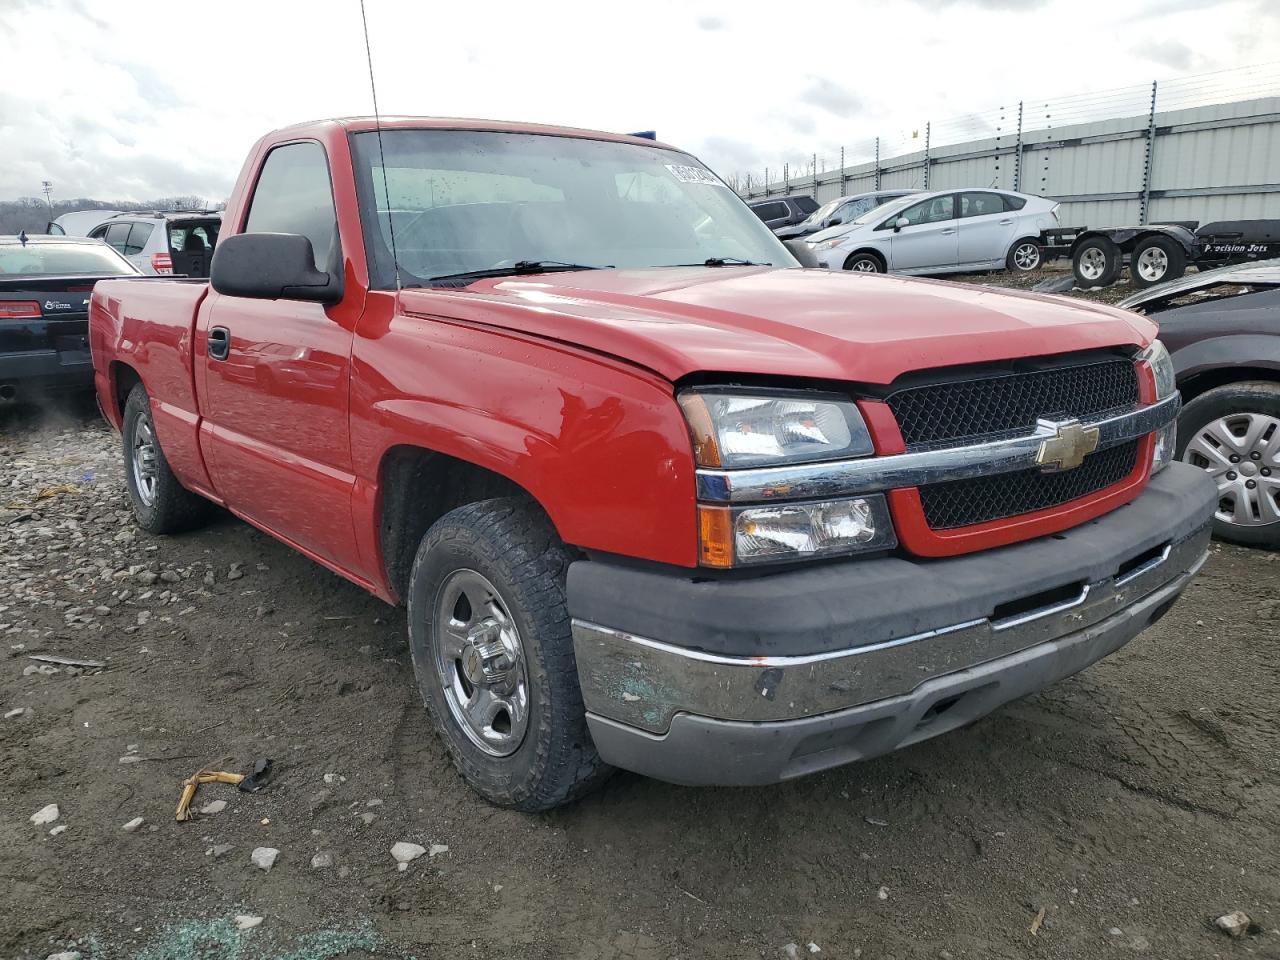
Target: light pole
[(48, 195)]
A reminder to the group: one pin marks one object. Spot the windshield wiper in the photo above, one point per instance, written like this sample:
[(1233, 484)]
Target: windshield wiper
[(520, 268), (722, 262)]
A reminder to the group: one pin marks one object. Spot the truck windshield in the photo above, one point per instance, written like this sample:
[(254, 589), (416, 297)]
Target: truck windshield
[(458, 201)]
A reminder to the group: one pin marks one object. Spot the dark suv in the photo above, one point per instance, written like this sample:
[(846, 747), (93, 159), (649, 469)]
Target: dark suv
[(778, 212), (1223, 329)]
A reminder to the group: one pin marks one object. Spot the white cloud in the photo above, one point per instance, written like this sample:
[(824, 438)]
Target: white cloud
[(119, 101)]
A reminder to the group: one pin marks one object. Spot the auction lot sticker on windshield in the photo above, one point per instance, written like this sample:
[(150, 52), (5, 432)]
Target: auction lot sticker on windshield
[(688, 174)]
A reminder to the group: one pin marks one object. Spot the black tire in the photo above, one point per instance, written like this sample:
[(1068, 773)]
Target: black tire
[(864, 261), (1235, 399), (512, 546), (1163, 249), (171, 508), (1018, 259), (1110, 259)]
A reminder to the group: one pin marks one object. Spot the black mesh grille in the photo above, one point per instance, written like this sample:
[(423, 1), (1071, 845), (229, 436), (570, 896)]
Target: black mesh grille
[(960, 503), (967, 409)]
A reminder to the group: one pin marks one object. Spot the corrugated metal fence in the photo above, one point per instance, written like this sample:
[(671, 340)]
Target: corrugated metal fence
[(1140, 154)]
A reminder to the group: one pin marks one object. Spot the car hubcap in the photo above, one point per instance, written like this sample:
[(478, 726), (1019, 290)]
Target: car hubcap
[(1027, 256), (1241, 451), (863, 266), (480, 662), (1153, 263), (1092, 263), (144, 460)]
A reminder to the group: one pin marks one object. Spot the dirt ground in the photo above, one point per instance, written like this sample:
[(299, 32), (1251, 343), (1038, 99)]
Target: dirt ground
[(1131, 804)]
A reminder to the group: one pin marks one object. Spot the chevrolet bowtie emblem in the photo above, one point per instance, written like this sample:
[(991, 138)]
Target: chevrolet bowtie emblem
[(1068, 446)]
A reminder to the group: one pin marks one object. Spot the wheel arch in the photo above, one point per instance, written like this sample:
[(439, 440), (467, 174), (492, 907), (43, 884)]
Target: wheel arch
[(123, 378), (871, 251), (416, 487), (1211, 379), (1206, 364)]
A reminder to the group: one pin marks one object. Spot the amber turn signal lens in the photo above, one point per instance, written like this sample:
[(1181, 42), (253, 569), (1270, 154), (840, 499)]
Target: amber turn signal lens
[(715, 536), (706, 453)]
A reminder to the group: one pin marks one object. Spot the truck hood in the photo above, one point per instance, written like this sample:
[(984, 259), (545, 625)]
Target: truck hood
[(782, 322)]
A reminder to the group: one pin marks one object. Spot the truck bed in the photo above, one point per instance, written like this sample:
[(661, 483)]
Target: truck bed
[(154, 337)]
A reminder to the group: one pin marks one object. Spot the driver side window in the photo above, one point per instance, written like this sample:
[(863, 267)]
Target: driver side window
[(932, 210), (294, 195)]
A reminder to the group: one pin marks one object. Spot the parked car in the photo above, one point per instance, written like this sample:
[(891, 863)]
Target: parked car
[(778, 212), (945, 231), (1223, 329), (163, 244), (1159, 252), (78, 223), (838, 211), (45, 284), (699, 513)]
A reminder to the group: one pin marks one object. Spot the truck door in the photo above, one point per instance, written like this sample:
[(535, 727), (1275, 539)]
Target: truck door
[(276, 372), (929, 240)]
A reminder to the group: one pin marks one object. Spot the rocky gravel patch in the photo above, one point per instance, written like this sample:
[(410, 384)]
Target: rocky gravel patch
[(1129, 810)]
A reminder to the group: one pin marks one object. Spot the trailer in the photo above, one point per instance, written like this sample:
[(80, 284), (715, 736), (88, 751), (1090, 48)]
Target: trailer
[(1159, 252)]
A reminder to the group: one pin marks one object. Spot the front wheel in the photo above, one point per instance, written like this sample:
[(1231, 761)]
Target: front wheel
[(1233, 434), (1096, 263), (493, 654), (1156, 260), (865, 263)]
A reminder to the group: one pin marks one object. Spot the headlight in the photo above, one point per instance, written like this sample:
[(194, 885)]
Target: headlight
[(1157, 358), (739, 536), (738, 429), (829, 244), (1161, 364)]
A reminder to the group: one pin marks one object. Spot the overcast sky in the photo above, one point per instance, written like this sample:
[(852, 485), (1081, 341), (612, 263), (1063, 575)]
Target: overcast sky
[(139, 99)]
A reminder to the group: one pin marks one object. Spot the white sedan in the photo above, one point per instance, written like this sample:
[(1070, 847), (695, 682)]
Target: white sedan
[(945, 231)]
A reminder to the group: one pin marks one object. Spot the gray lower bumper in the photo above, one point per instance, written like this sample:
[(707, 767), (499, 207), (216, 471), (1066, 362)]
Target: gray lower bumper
[(660, 705), (698, 750)]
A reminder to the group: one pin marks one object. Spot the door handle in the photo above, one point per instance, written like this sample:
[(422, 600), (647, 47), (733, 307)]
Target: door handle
[(1006, 221), (947, 232), (219, 342)]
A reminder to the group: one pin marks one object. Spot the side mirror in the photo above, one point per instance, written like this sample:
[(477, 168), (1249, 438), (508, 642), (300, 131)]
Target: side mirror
[(271, 266), (802, 252), (834, 222), (900, 223)]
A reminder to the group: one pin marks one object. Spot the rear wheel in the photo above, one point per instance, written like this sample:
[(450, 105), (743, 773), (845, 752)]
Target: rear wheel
[(1096, 263), (1233, 434), (493, 654), (1024, 256), (864, 262), (160, 503), (1156, 260)]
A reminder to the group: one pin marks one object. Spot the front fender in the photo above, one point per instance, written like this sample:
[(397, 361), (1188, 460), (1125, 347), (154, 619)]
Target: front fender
[(601, 445)]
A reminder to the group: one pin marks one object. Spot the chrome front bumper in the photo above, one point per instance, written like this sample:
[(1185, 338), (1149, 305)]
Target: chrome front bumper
[(644, 682), (757, 680)]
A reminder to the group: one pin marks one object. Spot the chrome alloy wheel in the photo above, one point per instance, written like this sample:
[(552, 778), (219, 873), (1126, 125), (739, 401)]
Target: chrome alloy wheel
[(1241, 451), (1026, 256), (1093, 262), (1153, 264), (143, 460), (864, 265), (480, 662)]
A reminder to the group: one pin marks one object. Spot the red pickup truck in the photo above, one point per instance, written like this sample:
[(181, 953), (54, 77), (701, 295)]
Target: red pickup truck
[(656, 496)]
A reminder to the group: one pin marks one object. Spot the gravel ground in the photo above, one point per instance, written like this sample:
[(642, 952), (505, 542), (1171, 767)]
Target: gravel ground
[(1129, 806)]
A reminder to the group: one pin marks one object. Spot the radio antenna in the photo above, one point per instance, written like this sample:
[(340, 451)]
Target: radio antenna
[(382, 158)]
